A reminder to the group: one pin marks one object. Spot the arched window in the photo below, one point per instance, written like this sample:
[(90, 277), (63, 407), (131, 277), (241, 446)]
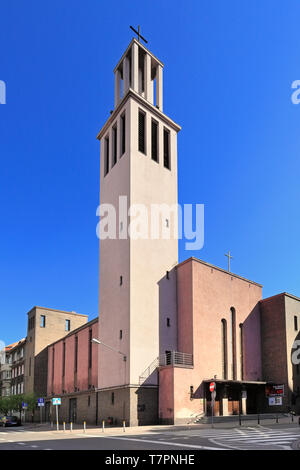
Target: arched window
[(233, 342), (241, 350), (224, 348)]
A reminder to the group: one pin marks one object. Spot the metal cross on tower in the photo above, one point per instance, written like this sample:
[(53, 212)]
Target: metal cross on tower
[(139, 34), (229, 258)]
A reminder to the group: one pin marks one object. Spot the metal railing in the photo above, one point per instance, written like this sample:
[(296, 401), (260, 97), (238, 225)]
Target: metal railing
[(176, 358)]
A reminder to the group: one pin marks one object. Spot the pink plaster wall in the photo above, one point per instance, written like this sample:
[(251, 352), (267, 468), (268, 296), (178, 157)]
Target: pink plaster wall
[(205, 296)]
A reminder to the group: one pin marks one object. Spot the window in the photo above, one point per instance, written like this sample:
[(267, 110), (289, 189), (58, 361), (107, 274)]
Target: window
[(90, 348), (121, 280), (233, 343), (43, 321), (296, 323), (168, 322), (142, 141), (123, 135), (224, 348), (76, 354), (64, 359), (68, 325), (30, 365), (167, 149), (154, 141), (114, 141), (89, 400), (106, 158), (121, 334), (191, 392), (112, 398)]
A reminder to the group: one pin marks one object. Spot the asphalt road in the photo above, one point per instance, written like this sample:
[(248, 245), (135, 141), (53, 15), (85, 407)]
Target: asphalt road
[(286, 437)]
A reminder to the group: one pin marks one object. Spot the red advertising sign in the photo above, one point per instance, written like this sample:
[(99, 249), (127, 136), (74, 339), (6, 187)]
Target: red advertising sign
[(274, 390)]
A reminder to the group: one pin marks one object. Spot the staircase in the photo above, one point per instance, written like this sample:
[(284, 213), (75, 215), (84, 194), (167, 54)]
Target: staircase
[(147, 372)]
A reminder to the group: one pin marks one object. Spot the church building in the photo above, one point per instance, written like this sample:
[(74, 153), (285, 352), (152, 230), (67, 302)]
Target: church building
[(167, 329)]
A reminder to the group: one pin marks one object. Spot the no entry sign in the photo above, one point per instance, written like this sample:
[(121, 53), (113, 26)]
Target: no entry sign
[(212, 386)]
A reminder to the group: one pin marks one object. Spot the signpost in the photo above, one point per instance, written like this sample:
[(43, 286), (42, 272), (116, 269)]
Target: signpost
[(41, 404), (212, 388), (56, 402)]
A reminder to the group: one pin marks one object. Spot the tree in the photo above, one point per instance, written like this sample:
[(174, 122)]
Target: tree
[(31, 400), (5, 405), (16, 403)]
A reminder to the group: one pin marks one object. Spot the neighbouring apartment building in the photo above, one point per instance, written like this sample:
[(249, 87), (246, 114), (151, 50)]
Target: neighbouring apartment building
[(12, 369)]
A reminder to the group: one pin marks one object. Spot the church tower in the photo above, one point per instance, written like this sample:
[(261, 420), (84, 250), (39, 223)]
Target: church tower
[(137, 287)]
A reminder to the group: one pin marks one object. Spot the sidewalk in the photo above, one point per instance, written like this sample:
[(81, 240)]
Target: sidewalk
[(111, 430)]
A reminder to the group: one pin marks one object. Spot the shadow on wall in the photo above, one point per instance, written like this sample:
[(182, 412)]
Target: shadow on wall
[(167, 312), (147, 406)]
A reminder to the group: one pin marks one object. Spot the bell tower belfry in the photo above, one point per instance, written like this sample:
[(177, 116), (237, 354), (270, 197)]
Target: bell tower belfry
[(138, 172)]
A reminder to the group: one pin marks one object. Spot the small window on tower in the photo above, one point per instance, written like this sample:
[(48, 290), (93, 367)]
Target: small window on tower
[(168, 322), (296, 323), (167, 149), (121, 334), (154, 141), (68, 325), (106, 158), (112, 398), (142, 132), (43, 321), (114, 142), (123, 135), (121, 280)]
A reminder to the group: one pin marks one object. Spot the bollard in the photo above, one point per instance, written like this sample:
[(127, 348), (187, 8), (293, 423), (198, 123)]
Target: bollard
[(51, 424), (240, 420), (103, 425), (71, 426), (299, 420), (258, 420), (64, 427), (124, 425), (277, 419), (292, 418), (84, 426)]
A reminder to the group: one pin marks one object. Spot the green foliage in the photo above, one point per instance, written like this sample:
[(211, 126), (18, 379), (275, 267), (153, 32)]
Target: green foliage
[(31, 400), (5, 405)]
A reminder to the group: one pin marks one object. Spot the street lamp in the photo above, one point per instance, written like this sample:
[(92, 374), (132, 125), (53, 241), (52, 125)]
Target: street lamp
[(97, 341)]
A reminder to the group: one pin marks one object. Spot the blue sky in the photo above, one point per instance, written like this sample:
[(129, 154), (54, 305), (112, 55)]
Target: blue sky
[(229, 67)]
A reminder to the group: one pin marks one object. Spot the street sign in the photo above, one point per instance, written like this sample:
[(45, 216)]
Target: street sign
[(212, 386), (275, 390), (56, 401), (24, 405), (273, 401), (41, 402)]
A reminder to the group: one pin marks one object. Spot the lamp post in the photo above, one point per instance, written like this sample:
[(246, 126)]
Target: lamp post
[(97, 341)]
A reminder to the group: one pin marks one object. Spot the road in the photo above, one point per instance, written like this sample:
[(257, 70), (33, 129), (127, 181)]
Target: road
[(280, 437)]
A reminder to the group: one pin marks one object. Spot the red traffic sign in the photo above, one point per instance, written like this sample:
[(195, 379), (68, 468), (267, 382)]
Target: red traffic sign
[(212, 386)]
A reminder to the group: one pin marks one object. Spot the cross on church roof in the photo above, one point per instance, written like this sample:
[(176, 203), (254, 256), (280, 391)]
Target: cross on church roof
[(139, 34), (229, 258)]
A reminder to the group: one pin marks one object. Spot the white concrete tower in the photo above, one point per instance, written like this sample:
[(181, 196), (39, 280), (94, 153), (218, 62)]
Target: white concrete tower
[(137, 311)]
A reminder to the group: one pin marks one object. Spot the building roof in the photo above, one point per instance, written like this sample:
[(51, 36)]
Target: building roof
[(73, 332), (282, 294), (229, 273), (56, 310)]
